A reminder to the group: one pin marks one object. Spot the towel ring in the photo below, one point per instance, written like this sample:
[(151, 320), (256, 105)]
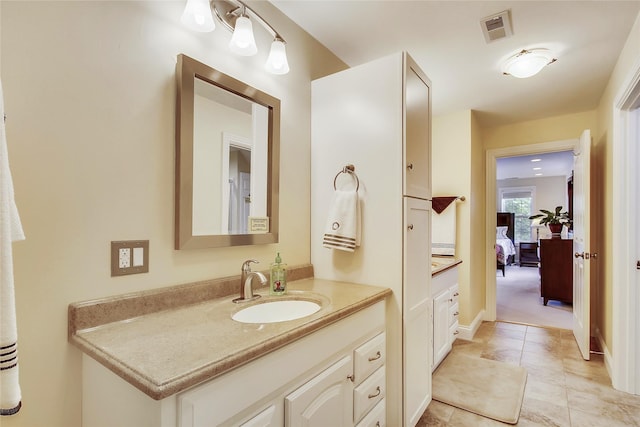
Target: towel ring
[(348, 169)]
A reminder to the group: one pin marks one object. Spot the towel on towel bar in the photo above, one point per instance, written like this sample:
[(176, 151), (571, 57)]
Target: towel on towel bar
[(10, 231), (342, 230), (443, 231)]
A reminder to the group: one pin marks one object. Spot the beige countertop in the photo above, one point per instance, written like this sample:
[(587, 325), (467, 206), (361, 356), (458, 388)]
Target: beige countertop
[(440, 264), (164, 352)]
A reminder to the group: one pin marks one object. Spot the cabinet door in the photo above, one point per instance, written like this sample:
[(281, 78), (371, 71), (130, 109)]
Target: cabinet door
[(263, 419), (416, 309), (441, 323), (326, 400), (417, 145)]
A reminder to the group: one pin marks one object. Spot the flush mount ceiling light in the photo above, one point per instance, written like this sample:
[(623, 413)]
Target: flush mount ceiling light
[(527, 63), (237, 17)]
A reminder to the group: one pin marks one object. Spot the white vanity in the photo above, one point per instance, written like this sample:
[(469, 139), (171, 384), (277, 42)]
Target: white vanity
[(445, 291), (194, 366)]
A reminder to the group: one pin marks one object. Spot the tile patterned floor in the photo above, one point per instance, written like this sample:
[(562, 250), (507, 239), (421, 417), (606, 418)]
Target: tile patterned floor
[(562, 389)]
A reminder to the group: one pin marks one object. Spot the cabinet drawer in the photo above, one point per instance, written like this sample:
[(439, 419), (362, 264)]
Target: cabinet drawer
[(377, 417), (369, 357), (453, 331), (369, 393), (455, 294), (453, 314)]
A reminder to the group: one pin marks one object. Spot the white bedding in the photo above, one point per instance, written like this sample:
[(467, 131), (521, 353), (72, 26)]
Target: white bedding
[(508, 249)]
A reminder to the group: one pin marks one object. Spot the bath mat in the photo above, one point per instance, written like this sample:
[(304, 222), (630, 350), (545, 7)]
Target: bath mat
[(485, 387)]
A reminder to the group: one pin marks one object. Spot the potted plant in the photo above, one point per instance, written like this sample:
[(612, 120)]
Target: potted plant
[(554, 219)]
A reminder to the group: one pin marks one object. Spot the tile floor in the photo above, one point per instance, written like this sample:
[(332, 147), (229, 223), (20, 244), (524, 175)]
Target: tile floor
[(562, 389)]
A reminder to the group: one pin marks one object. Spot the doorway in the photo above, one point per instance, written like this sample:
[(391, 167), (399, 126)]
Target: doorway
[(525, 184)]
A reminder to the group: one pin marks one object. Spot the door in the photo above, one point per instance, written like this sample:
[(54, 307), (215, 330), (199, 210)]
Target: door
[(326, 400), (416, 309), (581, 244)]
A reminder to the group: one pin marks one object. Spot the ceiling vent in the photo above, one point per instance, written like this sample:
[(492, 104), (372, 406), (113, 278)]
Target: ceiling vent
[(496, 27)]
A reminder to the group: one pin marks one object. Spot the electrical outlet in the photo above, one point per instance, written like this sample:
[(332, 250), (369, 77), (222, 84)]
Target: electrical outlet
[(124, 257), (129, 257)]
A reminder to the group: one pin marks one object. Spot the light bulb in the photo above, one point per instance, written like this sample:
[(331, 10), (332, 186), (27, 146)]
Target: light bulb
[(197, 16), (277, 61), (242, 41)]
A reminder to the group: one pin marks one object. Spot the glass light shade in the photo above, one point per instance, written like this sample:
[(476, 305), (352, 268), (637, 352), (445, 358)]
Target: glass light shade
[(528, 63), (277, 61), (242, 41), (197, 16)]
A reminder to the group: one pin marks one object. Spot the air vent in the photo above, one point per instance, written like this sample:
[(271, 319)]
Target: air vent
[(496, 27)]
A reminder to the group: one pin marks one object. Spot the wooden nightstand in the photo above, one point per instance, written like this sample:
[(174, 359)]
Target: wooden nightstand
[(529, 254)]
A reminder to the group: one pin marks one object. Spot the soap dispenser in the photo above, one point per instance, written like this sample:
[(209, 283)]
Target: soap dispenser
[(278, 279)]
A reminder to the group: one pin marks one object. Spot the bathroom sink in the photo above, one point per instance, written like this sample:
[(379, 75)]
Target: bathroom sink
[(276, 311)]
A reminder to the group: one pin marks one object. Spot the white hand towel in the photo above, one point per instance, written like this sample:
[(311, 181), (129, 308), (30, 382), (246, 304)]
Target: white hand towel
[(342, 230), (10, 230)]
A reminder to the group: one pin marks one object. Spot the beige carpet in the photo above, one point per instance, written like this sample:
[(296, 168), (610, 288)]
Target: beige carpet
[(485, 387)]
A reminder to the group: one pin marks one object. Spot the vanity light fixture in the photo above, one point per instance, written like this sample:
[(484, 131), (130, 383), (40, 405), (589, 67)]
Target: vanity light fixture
[(527, 63), (237, 17)]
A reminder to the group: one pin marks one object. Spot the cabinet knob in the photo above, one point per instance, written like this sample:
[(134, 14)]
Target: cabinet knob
[(410, 227), (351, 377), (410, 166)]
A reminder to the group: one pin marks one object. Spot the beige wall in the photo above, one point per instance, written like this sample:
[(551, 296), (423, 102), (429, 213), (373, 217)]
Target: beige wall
[(451, 176), (628, 63), (477, 221), (89, 92)]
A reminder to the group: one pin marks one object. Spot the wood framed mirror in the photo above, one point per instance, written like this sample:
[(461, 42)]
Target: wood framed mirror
[(227, 160)]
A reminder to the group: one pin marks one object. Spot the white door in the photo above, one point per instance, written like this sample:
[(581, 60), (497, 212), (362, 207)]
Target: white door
[(326, 400), (581, 244), (416, 309)]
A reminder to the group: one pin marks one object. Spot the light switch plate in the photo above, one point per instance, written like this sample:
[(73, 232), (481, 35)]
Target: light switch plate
[(129, 257)]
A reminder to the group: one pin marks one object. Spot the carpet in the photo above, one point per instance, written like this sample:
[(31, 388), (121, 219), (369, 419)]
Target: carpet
[(485, 387)]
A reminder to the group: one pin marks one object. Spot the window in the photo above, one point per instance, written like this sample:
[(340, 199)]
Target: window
[(520, 201)]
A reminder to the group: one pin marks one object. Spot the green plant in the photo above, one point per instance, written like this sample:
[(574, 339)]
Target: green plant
[(555, 217)]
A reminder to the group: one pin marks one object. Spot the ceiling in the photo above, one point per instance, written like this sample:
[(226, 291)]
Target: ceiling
[(446, 39), (549, 164)]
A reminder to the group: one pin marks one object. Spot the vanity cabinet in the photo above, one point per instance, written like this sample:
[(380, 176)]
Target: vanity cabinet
[(377, 116), (314, 379)]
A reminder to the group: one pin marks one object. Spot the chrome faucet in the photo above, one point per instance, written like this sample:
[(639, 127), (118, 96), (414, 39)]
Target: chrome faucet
[(246, 280)]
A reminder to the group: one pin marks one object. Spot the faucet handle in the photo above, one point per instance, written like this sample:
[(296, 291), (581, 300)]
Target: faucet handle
[(246, 266)]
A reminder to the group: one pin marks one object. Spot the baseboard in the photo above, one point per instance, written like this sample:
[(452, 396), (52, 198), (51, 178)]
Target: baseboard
[(467, 332), (608, 360)]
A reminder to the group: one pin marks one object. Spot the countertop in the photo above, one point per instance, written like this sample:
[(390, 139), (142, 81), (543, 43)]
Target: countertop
[(440, 264), (164, 352)]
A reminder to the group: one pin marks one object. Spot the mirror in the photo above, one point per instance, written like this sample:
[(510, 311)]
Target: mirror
[(227, 159)]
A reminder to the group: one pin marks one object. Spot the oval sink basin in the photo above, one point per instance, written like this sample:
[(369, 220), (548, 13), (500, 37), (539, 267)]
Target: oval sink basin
[(276, 311)]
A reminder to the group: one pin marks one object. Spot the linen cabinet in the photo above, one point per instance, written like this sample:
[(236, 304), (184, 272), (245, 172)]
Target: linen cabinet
[(377, 117)]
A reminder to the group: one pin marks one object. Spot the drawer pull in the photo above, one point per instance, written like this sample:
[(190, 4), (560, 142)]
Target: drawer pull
[(456, 313), (351, 377), (456, 332), (376, 357), (450, 299), (376, 394), (377, 424), (456, 294)]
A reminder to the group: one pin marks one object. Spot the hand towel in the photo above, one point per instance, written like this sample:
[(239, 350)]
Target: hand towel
[(443, 231), (342, 230), (439, 204), (10, 231)]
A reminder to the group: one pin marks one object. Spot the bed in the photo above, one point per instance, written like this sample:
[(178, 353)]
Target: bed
[(505, 248)]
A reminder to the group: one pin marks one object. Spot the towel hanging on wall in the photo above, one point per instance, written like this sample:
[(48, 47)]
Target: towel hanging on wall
[(443, 226), (10, 231), (342, 230)]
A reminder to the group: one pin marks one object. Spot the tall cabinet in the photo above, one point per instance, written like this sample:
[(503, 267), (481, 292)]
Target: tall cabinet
[(377, 116)]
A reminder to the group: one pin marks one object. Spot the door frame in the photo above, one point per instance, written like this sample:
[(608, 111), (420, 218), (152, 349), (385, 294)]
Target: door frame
[(491, 200), (623, 363)]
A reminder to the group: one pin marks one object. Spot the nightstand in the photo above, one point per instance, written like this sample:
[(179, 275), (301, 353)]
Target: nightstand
[(529, 254)]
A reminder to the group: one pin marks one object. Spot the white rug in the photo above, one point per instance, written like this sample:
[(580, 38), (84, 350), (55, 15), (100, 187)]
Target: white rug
[(518, 300), (485, 387)]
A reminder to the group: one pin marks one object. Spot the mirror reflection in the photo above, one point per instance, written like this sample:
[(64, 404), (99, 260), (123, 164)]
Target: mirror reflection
[(226, 169)]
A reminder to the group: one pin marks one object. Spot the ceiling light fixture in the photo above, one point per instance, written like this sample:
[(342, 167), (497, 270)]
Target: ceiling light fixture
[(536, 160), (237, 17), (527, 63)]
